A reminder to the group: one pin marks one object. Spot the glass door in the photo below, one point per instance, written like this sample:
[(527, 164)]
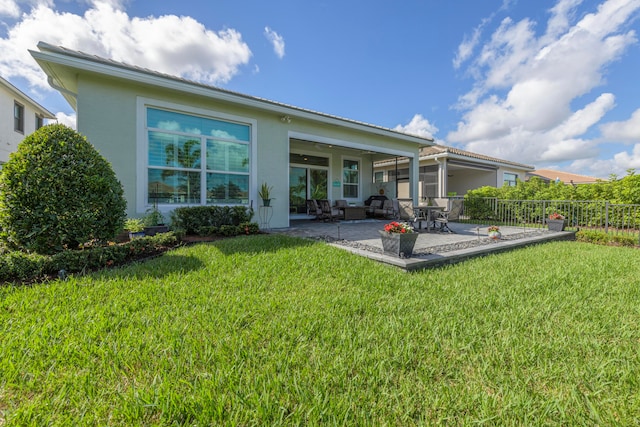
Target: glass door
[(306, 183), (297, 190), (318, 184)]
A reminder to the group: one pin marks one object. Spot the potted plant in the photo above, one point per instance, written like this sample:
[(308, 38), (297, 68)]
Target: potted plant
[(265, 194), (494, 232), (153, 222), (135, 227), (555, 222), (398, 239)]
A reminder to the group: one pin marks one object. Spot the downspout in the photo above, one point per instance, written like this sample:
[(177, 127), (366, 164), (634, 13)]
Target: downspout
[(61, 89), (396, 177)]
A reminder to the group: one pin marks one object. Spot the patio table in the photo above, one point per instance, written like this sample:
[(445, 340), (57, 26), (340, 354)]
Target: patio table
[(354, 212), (428, 214)]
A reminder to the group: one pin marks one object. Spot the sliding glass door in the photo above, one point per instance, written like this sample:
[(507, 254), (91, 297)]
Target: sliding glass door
[(306, 183)]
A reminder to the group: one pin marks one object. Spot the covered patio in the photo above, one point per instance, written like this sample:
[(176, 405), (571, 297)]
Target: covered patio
[(432, 248)]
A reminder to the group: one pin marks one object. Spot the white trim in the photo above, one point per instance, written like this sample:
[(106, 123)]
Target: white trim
[(142, 148), (349, 144), (50, 54), (355, 159)]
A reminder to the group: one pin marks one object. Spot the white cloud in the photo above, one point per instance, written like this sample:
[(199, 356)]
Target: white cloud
[(418, 126), (628, 160), (66, 119), (522, 105), (9, 8), (618, 164), (175, 45), (276, 40), (625, 131), (465, 49)]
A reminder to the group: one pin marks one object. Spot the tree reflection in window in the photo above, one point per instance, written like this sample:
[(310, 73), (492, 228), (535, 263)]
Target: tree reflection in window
[(186, 156)]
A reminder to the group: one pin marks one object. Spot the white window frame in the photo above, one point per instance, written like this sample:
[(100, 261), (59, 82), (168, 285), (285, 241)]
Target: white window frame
[(342, 169), (142, 149), (504, 179), (18, 122)]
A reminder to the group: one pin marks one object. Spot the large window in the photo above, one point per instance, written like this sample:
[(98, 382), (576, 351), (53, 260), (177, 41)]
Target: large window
[(18, 117), (350, 178), (196, 160), (509, 179)]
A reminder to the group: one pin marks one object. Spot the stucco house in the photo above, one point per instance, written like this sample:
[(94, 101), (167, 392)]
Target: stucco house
[(19, 116), (174, 142), (447, 171)]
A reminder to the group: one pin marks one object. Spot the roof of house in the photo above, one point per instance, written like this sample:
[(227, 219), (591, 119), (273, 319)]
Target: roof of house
[(26, 99), (566, 177), (451, 152), (438, 151), (50, 55)]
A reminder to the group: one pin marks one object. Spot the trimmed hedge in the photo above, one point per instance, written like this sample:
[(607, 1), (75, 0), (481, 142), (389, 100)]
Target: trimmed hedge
[(192, 220), (602, 238), (22, 267)]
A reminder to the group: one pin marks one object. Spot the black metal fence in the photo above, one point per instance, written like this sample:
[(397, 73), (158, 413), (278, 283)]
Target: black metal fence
[(579, 214)]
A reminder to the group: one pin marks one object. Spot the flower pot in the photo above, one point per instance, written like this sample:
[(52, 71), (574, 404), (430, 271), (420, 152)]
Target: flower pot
[(136, 234), (555, 224), (398, 244), (155, 229), (266, 202), (495, 235)]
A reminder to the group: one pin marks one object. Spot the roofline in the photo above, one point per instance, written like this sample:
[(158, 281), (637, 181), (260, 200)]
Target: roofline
[(469, 158), (50, 54), (466, 155), (20, 94), (500, 162)]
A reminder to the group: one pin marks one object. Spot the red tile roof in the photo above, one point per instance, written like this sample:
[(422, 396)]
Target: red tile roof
[(566, 177)]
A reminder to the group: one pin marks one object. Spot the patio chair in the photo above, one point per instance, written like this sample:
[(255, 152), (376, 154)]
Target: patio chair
[(329, 212), (375, 204), (341, 204), (407, 213), (443, 218), (386, 210), (313, 209)]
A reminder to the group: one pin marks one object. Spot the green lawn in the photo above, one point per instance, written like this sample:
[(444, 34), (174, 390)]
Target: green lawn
[(270, 330)]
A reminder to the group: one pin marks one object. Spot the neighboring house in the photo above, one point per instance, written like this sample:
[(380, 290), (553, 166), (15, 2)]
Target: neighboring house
[(447, 171), (549, 175), (179, 143), (19, 116)]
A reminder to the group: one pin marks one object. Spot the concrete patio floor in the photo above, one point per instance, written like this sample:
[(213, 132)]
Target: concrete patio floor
[(432, 248)]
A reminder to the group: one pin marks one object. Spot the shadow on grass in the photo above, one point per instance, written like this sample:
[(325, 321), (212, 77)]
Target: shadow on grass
[(260, 243), (156, 267)]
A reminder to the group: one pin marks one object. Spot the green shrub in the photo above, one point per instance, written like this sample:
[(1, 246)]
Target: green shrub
[(230, 230), (18, 266), (602, 238), (476, 207), (56, 192), (208, 230), (21, 266), (624, 239), (593, 236), (192, 219), (249, 228)]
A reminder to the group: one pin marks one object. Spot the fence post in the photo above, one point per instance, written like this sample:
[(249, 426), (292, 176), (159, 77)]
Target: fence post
[(544, 213), (606, 217)]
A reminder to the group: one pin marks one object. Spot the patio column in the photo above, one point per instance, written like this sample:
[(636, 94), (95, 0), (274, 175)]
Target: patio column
[(414, 178), (442, 177)]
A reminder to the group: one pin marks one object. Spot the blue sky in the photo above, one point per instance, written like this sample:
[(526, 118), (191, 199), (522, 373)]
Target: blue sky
[(553, 84)]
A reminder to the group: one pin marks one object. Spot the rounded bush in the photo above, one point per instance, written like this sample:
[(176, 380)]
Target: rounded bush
[(56, 192)]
